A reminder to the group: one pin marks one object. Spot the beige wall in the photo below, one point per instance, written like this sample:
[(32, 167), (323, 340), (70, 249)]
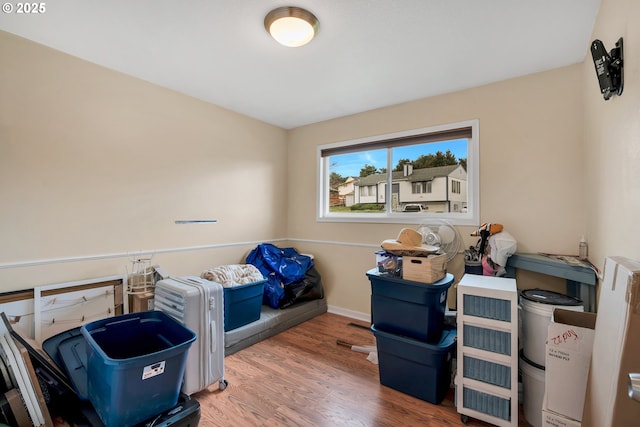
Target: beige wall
[(612, 141), (530, 173), (94, 163), (557, 161)]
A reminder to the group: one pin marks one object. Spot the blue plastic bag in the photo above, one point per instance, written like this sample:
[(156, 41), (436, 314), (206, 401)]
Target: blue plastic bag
[(280, 266)]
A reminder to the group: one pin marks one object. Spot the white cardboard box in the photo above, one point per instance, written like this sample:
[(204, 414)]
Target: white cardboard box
[(616, 347), (568, 356), (551, 419)]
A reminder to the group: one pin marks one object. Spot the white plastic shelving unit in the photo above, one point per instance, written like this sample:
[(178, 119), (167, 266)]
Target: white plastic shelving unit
[(487, 356)]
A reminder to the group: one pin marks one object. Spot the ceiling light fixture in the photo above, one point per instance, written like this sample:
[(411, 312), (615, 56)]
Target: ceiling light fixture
[(291, 26)]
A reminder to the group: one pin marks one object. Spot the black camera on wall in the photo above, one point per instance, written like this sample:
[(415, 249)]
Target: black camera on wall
[(608, 68)]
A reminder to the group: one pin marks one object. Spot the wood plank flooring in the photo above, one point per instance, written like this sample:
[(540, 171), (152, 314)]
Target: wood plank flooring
[(302, 377)]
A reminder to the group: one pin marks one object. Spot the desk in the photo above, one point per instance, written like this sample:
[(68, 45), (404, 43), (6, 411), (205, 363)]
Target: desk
[(581, 281)]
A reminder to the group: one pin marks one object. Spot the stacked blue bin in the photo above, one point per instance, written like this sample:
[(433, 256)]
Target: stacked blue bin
[(415, 348)]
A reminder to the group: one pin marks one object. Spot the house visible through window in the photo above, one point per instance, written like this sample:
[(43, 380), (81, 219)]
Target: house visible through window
[(402, 177)]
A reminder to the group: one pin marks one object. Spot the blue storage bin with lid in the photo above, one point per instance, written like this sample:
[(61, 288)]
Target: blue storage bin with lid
[(135, 365), (409, 308), (417, 368)]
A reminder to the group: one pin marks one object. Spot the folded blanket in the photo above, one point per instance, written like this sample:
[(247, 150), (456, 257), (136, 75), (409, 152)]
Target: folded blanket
[(233, 275)]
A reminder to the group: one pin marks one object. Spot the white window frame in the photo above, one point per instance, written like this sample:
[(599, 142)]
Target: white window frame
[(470, 217)]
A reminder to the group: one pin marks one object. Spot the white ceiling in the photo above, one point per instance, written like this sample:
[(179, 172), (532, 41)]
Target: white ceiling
[(368, 53)]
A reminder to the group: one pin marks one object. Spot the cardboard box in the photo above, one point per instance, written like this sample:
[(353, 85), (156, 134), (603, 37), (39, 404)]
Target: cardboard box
[(140, 302), (616, 347), (551, 419), (567, 359)]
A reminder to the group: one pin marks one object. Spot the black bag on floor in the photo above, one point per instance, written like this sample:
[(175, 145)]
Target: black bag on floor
[(309, 288)]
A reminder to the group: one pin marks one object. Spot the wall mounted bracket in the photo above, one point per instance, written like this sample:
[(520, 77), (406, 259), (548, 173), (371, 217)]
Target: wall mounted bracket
[(609, 68)]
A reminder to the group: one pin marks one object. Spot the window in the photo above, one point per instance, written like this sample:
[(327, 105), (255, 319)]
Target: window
[(434, 168), (455, 186), (367, 190), (421, 187)]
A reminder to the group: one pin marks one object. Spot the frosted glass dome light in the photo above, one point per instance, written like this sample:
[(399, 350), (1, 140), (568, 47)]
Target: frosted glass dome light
[(291, 26)]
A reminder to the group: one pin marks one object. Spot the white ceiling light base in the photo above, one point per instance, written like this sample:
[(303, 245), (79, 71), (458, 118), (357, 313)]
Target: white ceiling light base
[(291, 26)]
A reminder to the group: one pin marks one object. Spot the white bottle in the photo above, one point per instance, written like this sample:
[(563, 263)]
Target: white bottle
[(583, 249)]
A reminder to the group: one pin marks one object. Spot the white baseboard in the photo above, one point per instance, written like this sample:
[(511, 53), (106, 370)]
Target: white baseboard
[(365, 317)]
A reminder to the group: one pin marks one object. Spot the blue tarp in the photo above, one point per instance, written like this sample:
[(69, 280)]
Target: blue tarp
[(281, 267)]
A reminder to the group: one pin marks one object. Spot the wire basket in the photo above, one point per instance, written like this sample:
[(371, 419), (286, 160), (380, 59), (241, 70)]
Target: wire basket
[(141, 278)]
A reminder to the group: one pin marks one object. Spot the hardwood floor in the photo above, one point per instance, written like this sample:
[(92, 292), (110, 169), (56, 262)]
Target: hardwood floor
[(302, 377)]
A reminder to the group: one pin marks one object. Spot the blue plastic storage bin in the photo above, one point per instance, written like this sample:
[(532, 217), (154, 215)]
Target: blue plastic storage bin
[(414, 367), (409, 308), (135, 365), (242, 304)]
